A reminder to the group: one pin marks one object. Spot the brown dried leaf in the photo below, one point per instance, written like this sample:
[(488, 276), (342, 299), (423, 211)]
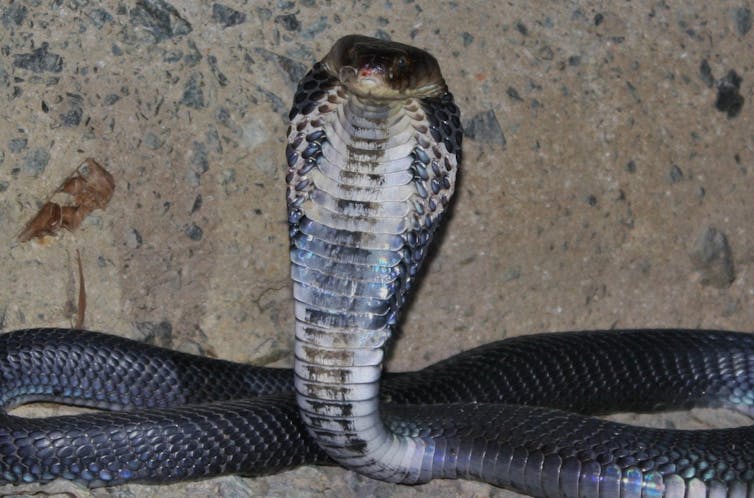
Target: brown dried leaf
[(71, 217), (91, 187), (98, 185), (81, 313), (73, 185), (47, 221)]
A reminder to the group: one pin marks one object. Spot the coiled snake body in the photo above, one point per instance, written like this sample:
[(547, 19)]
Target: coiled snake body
[(374, 146)]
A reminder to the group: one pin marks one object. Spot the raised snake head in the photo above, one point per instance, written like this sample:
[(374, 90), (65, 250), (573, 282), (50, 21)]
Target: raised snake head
[(379, 69)]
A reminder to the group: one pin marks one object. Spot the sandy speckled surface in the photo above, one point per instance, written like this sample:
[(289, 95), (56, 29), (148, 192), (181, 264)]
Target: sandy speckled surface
[(598, 160)]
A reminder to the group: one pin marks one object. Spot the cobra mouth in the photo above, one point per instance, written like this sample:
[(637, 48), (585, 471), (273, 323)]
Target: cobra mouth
[(369, 80), (371, 74)]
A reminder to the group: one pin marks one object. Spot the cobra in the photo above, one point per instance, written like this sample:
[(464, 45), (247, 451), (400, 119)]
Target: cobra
[(374, 148)]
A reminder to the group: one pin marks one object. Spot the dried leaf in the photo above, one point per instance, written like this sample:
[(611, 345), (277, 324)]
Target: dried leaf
[(72, 217), (81, 313), (47, 221), (91, 186), (73, 185)]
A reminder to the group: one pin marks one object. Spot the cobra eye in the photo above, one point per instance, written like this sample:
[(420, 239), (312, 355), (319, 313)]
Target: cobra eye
[(350, 56)]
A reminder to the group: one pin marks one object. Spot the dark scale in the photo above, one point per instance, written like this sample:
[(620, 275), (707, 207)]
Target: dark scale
[(291, 156), (309, 164), (420, 189), (435, 131), (294, 216), (445, 123), (311, 150), (421, 155), (435, 184), (421, 170), (308, 107), (310, 89), (419, 207), (435, 168), (316, 136)]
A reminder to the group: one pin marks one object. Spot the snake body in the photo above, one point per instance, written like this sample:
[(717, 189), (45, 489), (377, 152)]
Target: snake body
[(370, 175), (373, 150)]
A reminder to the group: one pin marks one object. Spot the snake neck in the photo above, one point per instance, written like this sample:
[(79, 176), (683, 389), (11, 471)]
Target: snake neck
[(364, 196)]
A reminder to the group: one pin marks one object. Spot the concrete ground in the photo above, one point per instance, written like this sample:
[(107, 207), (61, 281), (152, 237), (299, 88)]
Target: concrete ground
[(608, 178)]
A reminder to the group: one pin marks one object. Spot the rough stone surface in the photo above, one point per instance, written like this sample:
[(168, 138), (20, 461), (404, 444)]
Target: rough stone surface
[(226, 16), (729, 100), (572, 224), (485, 128), (712, 258)]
